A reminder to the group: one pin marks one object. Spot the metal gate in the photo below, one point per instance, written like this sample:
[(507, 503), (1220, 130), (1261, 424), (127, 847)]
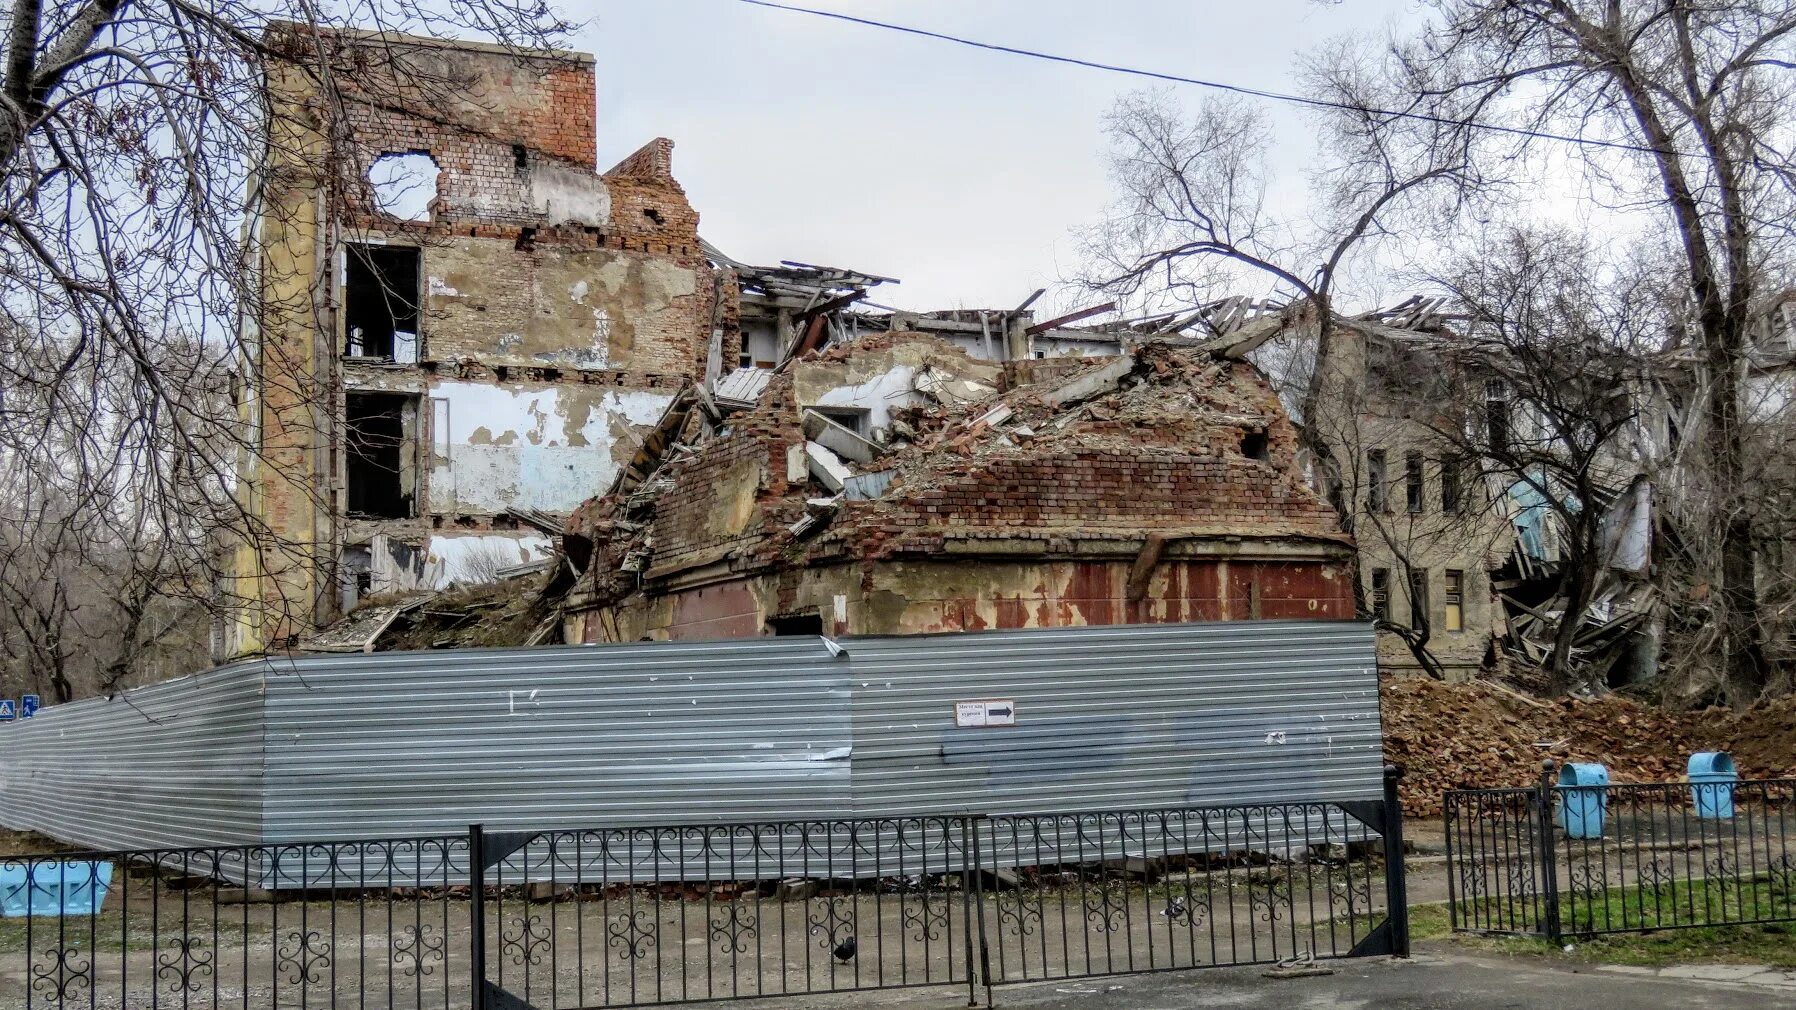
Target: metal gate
[(636, 916), (646, 915)]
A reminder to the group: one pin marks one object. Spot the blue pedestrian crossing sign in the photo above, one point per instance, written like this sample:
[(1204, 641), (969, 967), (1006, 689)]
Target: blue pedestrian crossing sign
[(28, 706), (7, 712)]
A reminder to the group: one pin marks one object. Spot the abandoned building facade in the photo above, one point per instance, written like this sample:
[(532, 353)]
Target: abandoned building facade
[(462, 320), (479, 355)]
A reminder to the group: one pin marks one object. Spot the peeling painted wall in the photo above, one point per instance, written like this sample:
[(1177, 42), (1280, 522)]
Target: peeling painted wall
[(540, 447), (880, 380)]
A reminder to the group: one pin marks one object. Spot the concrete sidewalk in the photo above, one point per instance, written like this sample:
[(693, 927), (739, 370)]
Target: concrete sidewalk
[(1425, 982)]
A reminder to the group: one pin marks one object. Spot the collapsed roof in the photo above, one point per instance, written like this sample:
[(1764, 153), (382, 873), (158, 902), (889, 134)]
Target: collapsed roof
[(962, 455)]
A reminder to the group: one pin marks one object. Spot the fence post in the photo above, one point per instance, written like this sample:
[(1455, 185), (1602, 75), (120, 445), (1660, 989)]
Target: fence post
[(477, 915), (971, 909), (1396, 884), (1549, 856)]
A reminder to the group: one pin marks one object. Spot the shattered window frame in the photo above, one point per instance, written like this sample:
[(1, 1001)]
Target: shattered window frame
[(1452, 487), (1381, 594), (1377, 494), (1413, 482), (1453, 600)]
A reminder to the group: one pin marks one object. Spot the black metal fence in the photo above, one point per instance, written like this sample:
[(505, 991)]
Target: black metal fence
[(1571, 861), (635, 916)]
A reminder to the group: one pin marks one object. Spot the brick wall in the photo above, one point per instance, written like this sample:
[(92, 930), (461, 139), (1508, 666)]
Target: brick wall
[(611, 287), (1102, 491)]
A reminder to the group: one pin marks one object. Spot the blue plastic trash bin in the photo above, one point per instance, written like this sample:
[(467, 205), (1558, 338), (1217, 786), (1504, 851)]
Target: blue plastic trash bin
[(53, 889), (1583, 798), (1712, 778)]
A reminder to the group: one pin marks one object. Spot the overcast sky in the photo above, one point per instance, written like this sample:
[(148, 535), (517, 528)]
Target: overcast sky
[(962, 172)]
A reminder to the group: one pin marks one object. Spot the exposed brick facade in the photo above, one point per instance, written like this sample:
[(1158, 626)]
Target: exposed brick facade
[(582, 299)]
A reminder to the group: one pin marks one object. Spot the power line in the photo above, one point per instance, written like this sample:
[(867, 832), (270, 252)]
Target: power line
[(1238, 89)]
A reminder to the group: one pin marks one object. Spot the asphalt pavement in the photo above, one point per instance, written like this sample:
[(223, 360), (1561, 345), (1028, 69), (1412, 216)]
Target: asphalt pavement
[(1425, 982)]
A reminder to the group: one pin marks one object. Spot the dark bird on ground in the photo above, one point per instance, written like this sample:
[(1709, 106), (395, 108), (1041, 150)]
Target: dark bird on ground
[(845, 950)]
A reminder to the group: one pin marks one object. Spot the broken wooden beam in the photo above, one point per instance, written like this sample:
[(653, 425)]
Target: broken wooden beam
[(1070, 317)]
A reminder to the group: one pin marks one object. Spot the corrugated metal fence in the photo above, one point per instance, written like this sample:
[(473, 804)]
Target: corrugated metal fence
[(424, 743)]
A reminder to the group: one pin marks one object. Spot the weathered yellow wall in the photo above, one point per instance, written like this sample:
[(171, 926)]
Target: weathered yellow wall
[(273, 577)]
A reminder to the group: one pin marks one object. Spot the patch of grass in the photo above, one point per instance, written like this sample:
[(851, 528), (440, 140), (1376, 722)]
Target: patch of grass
[(1650, 914)]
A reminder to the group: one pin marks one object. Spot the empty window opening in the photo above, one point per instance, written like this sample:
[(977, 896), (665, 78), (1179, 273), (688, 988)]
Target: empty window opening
[(404, 184), (1376, 500), (520, 156), (357, 574), (1452, 484), (380, 302), (380, 458), (1381, 594), (1418, 598), (1412, 482), (653, 215), (1496, 415), (1254, 445), (798, 624), (1453, 617), (848, 417), (760, 347)]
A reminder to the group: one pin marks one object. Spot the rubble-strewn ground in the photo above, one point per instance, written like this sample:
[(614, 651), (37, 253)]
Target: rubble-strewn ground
[(1480, 735)]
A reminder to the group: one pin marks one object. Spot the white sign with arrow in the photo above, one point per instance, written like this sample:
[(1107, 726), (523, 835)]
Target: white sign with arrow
[(985, 712)]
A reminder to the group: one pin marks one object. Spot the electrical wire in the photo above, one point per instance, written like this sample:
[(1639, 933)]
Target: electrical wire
[(1238, 89)]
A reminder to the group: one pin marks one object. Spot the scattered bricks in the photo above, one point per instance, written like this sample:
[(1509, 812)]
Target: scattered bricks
[(1155, 447), (797, 889)]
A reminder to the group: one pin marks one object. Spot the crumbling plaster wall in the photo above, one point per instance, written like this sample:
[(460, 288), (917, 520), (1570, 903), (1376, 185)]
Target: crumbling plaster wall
[(475, 557), (591, 288), (880, 375), (559, 306), (531, 445)]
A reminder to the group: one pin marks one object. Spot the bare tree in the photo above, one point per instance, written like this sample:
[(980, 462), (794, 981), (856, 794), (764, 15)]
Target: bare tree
[(132, 138), (1194, 216), (1684, 110), (1538, 390)]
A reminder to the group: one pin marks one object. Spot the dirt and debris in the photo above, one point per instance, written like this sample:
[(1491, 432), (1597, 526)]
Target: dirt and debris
[(1486, 735), (29, 843), (509, 612)]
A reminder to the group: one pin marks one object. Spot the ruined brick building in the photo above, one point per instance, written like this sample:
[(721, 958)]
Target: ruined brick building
[(467, 330), (462, 319), (1154, 486)]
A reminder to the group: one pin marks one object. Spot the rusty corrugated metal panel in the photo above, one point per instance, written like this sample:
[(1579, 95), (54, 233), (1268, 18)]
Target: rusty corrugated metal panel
[(399, 744)]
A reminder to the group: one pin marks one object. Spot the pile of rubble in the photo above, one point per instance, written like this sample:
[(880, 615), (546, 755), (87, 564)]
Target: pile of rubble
[(947, 421), (507, 612), (1481, 735)]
